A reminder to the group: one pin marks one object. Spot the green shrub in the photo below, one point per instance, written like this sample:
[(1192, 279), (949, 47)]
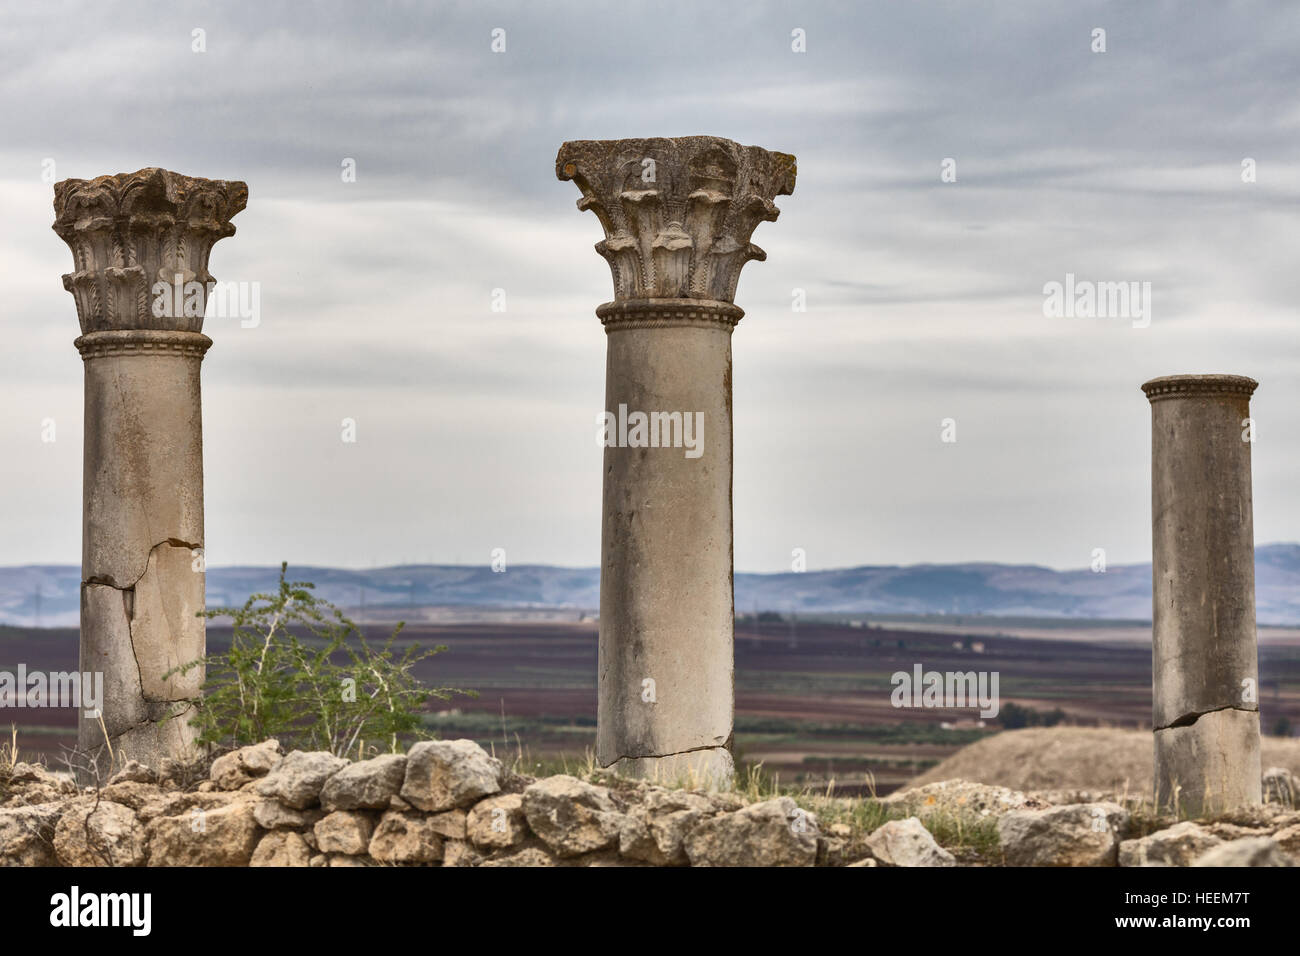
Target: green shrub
[(327, 690)]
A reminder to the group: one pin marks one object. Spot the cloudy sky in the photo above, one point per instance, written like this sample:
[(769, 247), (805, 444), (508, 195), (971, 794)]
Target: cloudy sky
[(924, 298)]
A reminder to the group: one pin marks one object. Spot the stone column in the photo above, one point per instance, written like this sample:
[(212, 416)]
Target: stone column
[(1203, 653), (678, 215), (142, 485)]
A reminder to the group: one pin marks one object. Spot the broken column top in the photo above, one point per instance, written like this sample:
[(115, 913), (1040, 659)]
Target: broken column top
[(132, 230), (677, 213), (1184, 386)]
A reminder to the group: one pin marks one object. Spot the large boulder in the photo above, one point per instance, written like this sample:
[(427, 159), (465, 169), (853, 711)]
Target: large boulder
[(497, 822), (1083, 834), (239, 767), (99, 833), (960, 797), (27, 835), (281, 848), (907, 843), (134, 794), (772, 833), (1178, 845), (572, 817), (656, 830), (224, 836), (32, 784), (1248, 851), (445, 774), (133, 772), (405, 837), (344, 831), (298, 778), (274, 815), (365, 785)]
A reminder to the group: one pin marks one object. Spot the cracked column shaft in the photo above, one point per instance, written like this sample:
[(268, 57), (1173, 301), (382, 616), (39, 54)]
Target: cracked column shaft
[(678, 215), (142, 485), (1203, 652)]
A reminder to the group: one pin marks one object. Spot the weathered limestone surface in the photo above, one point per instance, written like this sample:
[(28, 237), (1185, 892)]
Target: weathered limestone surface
[(678, 215), (1205, 673), (143, 457)]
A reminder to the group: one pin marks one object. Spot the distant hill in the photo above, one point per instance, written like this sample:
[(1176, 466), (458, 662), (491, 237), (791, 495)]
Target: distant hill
[(1073, 758), (996, 590)]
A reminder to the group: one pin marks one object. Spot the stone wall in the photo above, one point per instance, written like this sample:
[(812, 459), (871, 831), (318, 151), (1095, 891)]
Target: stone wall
[(449, 803)]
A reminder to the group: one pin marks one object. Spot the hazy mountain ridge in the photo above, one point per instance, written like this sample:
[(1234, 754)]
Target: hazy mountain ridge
[(1003, 590)]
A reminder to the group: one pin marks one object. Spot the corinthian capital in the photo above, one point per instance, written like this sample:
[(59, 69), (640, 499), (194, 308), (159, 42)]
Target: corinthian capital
[(131, 231), (677, 213)]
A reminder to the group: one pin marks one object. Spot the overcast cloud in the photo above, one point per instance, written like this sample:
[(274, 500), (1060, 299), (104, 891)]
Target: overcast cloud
[(924, 299)]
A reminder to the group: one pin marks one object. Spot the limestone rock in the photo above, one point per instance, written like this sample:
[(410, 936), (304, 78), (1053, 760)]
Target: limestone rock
[(497, 822), (907, 843), (297, 779), (772, 833), (958, 797), (1249, 851), (282, 848), (1082, 834), (367, 784), (444, 774), (132, 793), (403, 837), (343, 859), (274, 815), (1178, 845), (1288, 838), (224, 836), (99, 833), (460, 853), (240, 767), (449, 824), (133, 772), (34, 784), (170, 804), (344, 831), (27, 835), (570, 816), (656, 831), (528, 856)]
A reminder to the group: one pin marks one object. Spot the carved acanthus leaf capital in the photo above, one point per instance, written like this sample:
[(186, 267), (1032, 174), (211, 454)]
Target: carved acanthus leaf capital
[(131, 231), (678, 213)]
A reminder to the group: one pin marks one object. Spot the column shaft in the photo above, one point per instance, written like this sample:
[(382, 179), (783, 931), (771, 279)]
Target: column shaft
[(1204, 665), (142, 537), (666, 621)]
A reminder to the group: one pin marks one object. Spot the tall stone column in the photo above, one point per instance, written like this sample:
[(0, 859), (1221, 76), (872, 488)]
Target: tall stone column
[(1203, 653), (678, 215), (142, 484)]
